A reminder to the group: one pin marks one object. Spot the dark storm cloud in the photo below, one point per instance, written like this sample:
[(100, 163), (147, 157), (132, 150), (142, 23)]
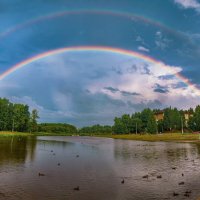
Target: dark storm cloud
[(124, 93), (160, 89), (111, 89), (146, 69), (166, 77)]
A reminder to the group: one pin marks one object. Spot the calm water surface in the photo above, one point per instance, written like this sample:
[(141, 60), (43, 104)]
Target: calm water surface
[(98, 169)]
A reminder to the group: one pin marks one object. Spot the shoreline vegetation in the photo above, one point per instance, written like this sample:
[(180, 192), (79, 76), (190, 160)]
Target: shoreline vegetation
[(165, 137), (169, 124)]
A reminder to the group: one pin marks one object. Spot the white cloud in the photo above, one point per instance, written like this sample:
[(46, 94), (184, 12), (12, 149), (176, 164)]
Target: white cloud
[(188, 4), (141, 48), (161, 41)]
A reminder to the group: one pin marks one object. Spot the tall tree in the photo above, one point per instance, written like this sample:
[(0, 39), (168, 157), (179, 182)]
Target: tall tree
[(119, 127), (151, 124), (33, 120)]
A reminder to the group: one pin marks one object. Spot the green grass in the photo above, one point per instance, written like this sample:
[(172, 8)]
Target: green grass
[(9, 134), (186, 137), (52, 134), (157, 137)]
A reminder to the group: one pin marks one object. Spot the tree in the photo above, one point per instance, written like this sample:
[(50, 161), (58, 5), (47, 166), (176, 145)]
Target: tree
[(33, 121), (151, 124), (119, 127), (126, 120), (136, 124), (4, 114), (145, 116), (167, 121), (194, 122), (160, 126), (20, 118)]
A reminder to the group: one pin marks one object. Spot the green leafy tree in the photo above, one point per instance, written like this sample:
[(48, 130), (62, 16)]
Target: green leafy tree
[(33, 121), (20, 118), (136, 124), (151, 124), (145, 116), (119, 127)]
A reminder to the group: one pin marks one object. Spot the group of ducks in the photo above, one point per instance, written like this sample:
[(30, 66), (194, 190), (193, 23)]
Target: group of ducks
[(41, 174), (187, 192)]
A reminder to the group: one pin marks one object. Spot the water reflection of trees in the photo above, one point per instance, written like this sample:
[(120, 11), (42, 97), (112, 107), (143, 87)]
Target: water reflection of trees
[(15, 150), (155, 152)]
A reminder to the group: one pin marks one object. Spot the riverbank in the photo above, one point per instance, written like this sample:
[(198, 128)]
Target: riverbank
[(166, 137), (9, 134)]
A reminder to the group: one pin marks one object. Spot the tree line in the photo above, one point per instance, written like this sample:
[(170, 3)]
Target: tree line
[(57, 128), (17, 117), (173, 120)]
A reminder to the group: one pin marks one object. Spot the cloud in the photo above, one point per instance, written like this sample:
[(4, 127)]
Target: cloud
[(160, 89), (166, 77), (139, 39), (161, 41), (124, 93), (111, 89), (83, 88), (141, 48), (188, 4)]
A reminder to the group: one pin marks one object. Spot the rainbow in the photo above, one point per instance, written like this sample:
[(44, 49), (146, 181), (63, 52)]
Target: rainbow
[(100, 49), (129, 16)]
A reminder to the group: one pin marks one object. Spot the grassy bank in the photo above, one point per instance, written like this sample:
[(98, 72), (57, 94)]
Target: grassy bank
[(9, 134), (186, 137), (157, 137)]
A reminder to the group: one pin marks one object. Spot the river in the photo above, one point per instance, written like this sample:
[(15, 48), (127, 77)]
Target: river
[(33, 168)]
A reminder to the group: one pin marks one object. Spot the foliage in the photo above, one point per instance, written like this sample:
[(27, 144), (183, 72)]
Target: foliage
[(96, 129), (194, 122), (33, 121), (57, 128), (14, 117), (145, 122)]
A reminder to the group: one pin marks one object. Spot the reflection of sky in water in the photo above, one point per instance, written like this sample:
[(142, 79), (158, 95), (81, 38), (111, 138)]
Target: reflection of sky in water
[(98, 170)]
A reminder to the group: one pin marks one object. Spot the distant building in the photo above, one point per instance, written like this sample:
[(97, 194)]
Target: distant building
[(187, 116), (159, 115)]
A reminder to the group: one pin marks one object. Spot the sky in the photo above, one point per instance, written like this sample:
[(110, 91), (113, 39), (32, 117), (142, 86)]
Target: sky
[(85, 62)]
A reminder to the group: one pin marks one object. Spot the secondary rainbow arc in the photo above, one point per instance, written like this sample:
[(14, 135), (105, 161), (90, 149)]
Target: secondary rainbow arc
[(127, 15), (100, 49)]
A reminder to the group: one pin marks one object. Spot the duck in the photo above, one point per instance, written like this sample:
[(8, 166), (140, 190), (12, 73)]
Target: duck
[(174, 168), (145, 176), (175, 194), (77, 188), (186, 195), (122, 182), (41, 174), (182, 183)]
